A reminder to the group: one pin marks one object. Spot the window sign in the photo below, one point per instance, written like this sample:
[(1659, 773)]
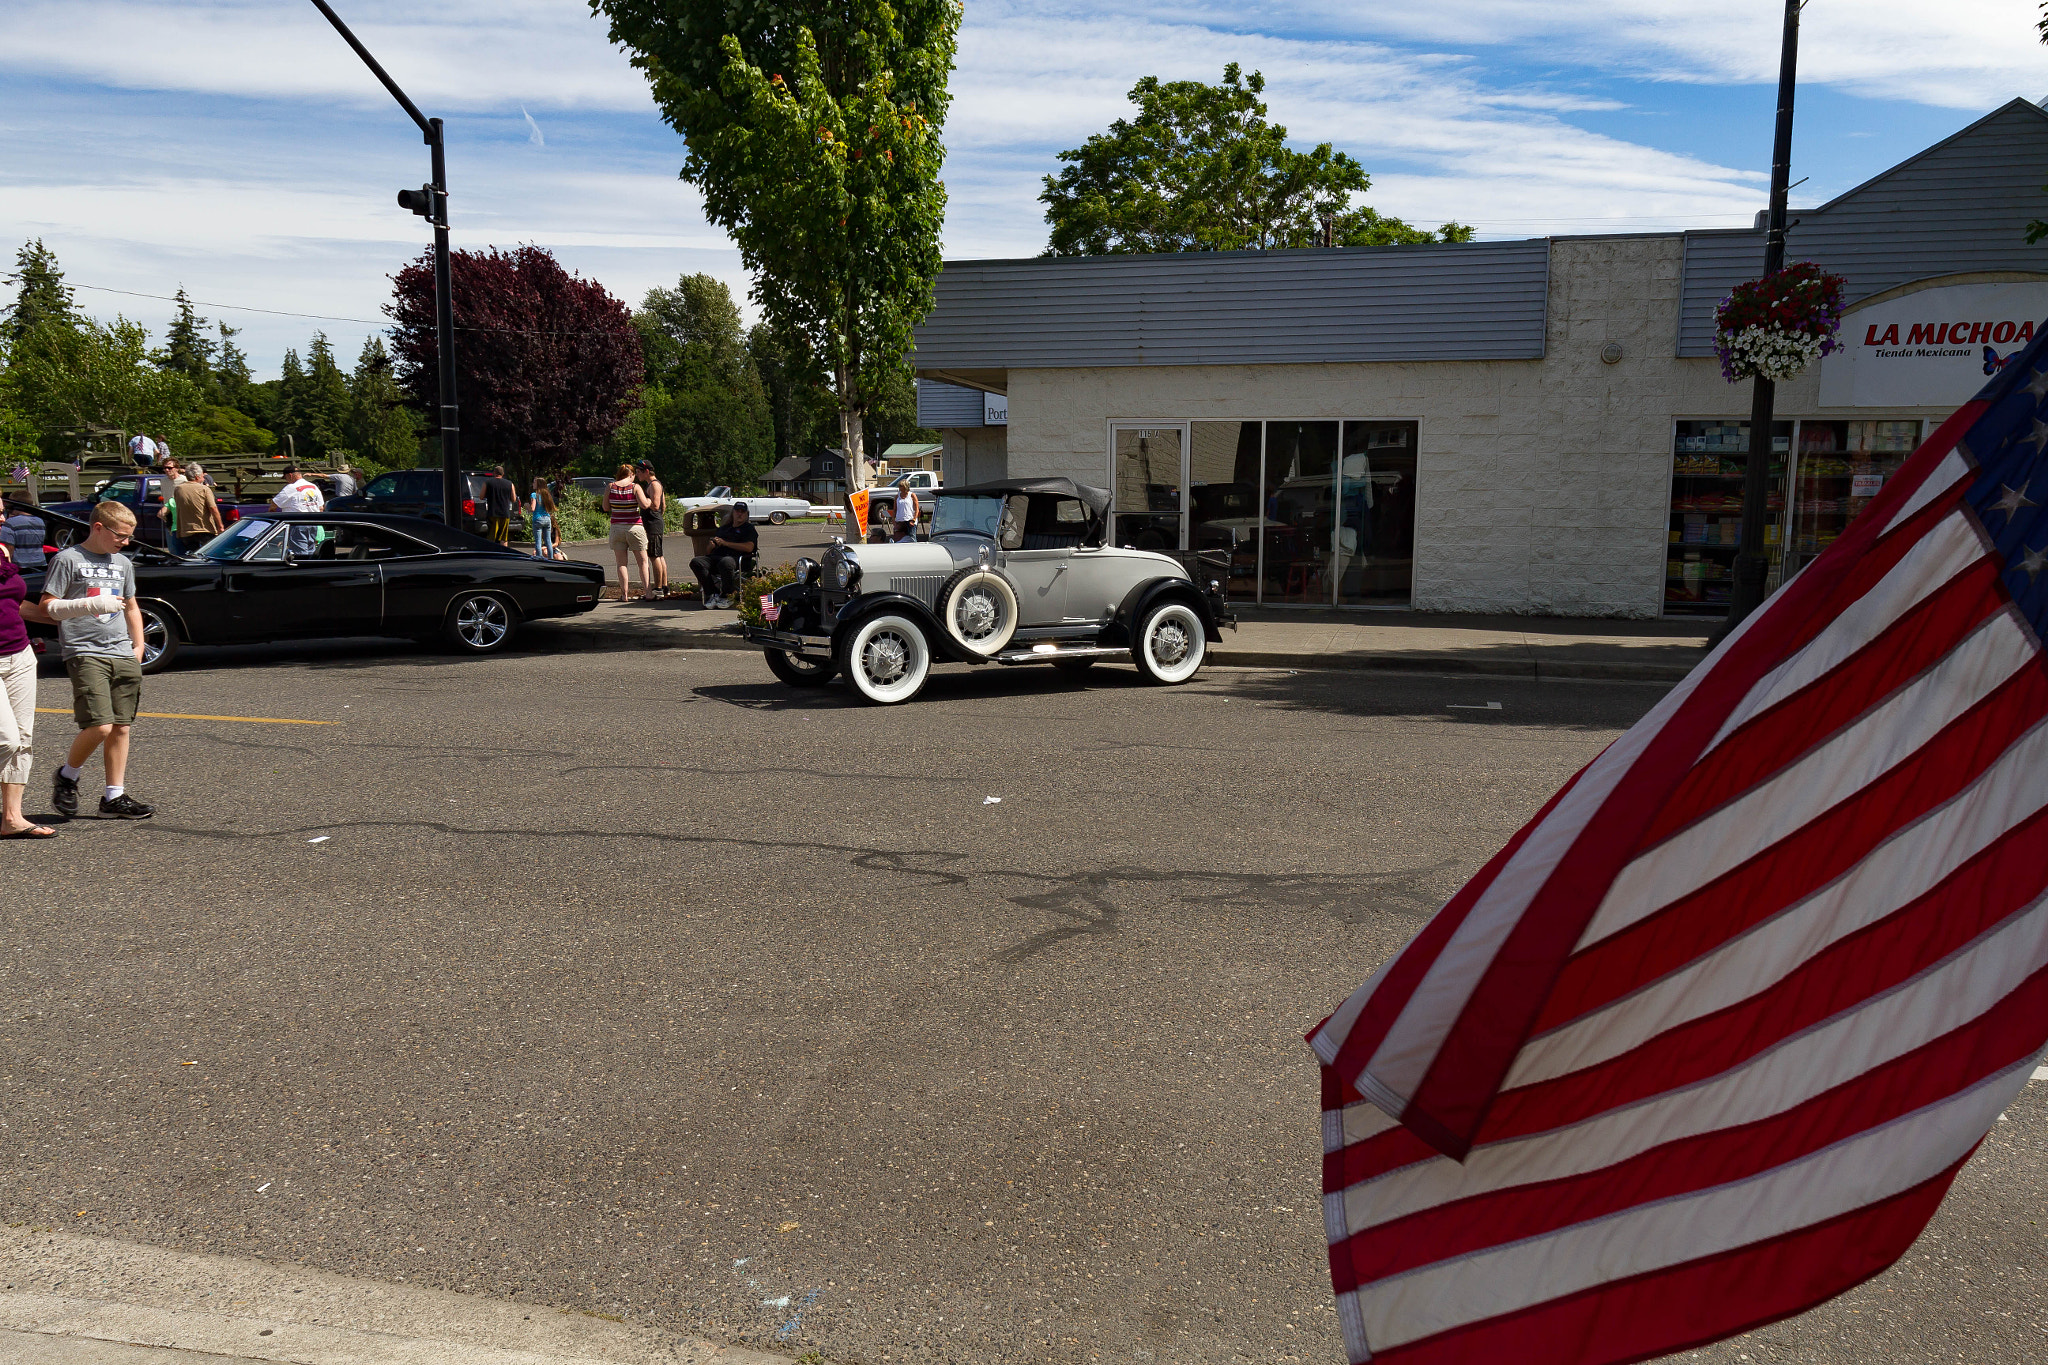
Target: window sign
[(1930, 348)]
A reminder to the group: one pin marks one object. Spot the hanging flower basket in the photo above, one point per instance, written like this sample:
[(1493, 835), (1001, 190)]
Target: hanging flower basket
[(1775, 327)]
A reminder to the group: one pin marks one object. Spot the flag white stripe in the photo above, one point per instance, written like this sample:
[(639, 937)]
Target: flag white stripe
[(1882, 738), (1354, 1124), (1870, 1167), (1965, 985), (1952, 470), (1903, 868), (1949, 547)]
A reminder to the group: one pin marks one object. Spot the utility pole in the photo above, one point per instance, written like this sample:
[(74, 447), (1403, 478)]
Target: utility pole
[(429, 201), (1752, 563)]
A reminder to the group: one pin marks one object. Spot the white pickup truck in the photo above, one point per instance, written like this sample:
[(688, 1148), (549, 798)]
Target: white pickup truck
[(773, 510)]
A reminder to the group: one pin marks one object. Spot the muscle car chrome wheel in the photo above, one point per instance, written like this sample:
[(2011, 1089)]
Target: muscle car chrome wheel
[(887, 660), (480, 623), (159, 638), (979, 608), (1170, 644)]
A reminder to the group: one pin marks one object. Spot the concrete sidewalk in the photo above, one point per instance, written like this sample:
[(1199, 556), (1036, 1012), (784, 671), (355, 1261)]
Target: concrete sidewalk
[(70, 1299), (1539, 647)]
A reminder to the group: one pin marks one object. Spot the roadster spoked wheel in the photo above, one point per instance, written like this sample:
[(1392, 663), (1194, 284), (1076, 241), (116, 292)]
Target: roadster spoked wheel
[(798, 671), (888, 659), (159, 638), (1170, 644), (480, 623), (979, 607)]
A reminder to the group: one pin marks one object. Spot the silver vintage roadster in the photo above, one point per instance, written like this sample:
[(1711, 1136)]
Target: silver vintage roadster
[(1013, 573)]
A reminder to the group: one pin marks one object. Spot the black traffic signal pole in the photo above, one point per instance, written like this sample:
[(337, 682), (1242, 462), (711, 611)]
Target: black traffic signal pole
[(430, 202), (1752, 564)]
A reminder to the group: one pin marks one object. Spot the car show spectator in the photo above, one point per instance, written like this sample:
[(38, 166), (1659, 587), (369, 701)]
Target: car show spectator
[(299, 494), (651, 521), (25, 533), (499, 497), (90, 591), (18, 705), (624, 501), (540, 511), (718, 573), (344, 481), (197, 513), (197, 473), (142, 451)]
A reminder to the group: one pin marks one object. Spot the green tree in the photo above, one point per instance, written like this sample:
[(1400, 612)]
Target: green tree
[(1200, 169), (40, 294), (218, 430), (231, 376), (817, 149), (800, 410), (188, 350), (703, 416), (381, 431), (64, 376), (323, 409)]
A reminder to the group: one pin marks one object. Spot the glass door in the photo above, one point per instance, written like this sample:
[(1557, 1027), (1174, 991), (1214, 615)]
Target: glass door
[(1375, 551), (1145, 480), (1223, 503), (1300, 503)]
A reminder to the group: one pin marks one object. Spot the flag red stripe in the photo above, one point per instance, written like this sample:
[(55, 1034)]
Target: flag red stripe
[(1477, 1050), (1695, 1303), (1395, 988), (1801, 863), (1772, 741), (2009, 1033), (1378, 1154), (1998, 881)]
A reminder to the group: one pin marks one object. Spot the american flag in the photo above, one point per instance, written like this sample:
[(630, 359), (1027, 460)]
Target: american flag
[(1706, 1042)]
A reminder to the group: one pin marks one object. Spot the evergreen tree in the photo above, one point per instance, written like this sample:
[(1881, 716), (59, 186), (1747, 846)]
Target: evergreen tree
[(40, 293), (231, 376), (381, 430), (187, 349), (288, 399), (322, 415)]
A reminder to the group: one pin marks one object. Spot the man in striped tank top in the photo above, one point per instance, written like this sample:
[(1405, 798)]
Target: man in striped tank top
[(624, 501)]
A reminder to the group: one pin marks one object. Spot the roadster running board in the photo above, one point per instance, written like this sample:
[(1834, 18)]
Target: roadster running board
[(1050, 653)]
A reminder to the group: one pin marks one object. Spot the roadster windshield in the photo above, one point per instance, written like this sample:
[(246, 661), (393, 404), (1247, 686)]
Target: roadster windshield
[(981, 514)]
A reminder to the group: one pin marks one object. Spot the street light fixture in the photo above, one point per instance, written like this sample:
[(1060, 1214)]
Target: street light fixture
[(429, 201)]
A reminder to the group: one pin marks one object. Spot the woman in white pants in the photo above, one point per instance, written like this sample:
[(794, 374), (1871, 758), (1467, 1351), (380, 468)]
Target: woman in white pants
[(18, 709)]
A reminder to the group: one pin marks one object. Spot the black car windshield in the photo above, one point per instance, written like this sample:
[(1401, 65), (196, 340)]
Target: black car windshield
[(981, 514), (233, 542)]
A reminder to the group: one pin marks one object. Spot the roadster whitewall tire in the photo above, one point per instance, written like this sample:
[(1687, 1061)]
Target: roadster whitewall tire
[(979, 609), (888, 659), (1170, 644)]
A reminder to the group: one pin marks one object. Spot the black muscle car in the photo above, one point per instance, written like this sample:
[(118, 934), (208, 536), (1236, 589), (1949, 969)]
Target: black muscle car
[(318, 575)]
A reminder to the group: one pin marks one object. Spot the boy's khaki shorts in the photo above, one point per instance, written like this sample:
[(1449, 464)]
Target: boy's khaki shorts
[(104, 691)]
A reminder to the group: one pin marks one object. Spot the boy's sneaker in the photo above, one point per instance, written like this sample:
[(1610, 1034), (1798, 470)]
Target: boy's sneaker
[(125, 807), (64, 795)]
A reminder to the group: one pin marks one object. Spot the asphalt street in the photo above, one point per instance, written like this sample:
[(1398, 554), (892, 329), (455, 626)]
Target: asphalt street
[(638, 984)]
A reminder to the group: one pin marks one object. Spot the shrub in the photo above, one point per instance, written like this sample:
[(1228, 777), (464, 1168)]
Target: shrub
[(759, 586), (578, 517)]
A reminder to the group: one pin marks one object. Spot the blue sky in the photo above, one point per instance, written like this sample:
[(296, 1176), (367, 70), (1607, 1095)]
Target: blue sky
[(237, 148)]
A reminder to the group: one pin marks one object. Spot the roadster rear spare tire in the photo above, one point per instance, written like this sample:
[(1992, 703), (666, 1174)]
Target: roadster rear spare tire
[(979, 609), (1170, 644), (887, 659)]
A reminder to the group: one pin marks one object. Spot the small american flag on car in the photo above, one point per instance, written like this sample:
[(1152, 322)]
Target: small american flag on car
[(769, 610), (1707, 1041)]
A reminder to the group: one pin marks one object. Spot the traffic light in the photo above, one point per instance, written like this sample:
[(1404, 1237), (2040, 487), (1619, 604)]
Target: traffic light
[(422, 201)]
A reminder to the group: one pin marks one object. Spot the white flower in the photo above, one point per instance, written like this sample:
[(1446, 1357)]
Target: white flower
[(1773, 354)]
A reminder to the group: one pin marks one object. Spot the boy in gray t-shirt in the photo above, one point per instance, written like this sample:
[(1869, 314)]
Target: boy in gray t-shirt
[(102, 653)]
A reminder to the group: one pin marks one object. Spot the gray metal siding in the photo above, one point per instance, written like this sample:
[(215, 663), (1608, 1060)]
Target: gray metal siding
[(948, 405), (1475, 301), (1960, 206)]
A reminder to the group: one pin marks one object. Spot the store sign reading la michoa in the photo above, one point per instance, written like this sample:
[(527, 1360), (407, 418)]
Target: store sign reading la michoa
[(1930, 348)]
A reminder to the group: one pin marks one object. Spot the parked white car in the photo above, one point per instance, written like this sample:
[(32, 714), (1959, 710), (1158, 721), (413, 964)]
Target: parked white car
[(1014, 573), (773, 510)]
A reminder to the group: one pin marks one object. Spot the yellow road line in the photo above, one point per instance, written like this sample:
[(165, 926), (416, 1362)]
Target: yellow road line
[(166, 715)]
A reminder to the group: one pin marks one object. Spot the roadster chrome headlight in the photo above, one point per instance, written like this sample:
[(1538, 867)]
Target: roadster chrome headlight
[(806, 571), (845, 573)]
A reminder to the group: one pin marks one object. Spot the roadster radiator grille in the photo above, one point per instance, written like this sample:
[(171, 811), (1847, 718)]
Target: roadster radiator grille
[(923, 586)]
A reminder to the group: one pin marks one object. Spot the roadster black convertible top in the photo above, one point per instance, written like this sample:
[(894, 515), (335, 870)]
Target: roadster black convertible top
[(1096, 500)]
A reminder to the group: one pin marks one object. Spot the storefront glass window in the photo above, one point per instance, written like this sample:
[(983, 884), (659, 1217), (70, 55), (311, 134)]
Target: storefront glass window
[(1300, 504), (1710, 460), (1147, 488), (1842, 466), (1223, 503), (1375, 550)]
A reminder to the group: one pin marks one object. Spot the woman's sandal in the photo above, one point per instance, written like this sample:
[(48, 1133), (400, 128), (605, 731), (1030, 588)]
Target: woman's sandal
[(32, 832)]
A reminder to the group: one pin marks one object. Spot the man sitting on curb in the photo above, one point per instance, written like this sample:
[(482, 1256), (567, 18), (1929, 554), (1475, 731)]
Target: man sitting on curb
[(722, 566)]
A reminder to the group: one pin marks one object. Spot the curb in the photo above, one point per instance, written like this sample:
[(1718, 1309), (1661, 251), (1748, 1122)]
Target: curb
[(145, 1303), (626, 636)]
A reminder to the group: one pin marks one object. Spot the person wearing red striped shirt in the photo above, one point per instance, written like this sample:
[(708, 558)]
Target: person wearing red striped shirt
[(624, 501)]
